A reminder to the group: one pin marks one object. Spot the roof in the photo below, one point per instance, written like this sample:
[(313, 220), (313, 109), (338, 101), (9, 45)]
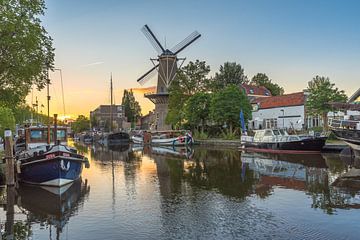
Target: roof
[(287, 100), (256, 90), (354, 97)]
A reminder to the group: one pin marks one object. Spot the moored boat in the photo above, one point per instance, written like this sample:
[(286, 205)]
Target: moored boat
[(169, 138), (46, 164), (279, 141), (348, 131)]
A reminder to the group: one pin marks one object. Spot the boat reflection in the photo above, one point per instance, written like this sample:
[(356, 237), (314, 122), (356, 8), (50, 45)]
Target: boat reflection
[(243, 175), (51, 206), (171, 151)]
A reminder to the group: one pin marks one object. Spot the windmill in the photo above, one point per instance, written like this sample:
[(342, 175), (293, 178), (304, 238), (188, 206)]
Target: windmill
[(166, 65)]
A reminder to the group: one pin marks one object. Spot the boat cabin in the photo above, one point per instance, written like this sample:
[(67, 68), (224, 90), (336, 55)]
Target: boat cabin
[(37, 136)]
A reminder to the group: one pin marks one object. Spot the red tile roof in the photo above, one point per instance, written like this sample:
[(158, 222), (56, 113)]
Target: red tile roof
[(255, 90), (287, 100)]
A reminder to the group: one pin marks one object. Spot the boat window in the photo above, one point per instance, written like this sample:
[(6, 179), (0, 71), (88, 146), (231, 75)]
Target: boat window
[(276, 132), (38, 135), (61, 135), (268, 133)]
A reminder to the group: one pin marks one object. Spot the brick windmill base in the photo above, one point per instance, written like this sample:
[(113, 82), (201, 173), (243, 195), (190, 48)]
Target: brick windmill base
[(161, 101)]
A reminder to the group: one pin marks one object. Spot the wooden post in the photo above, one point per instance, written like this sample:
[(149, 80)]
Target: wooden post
[(10, 202), (10, 175)]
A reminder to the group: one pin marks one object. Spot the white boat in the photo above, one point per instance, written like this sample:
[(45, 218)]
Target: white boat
[(168, 138)]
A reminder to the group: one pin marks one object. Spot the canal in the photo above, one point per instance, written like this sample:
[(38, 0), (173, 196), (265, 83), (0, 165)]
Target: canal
[(201, 193)]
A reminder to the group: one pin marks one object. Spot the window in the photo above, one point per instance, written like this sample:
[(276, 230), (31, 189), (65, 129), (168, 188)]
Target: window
[(271, 123)]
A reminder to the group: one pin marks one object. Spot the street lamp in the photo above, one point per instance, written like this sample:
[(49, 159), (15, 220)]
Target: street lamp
[(283, 117)]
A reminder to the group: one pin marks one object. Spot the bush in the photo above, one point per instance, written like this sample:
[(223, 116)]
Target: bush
[(7, 120), (200, 135)]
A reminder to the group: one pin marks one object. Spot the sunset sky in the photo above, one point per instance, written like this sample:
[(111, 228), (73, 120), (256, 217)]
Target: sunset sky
[(290, 41)]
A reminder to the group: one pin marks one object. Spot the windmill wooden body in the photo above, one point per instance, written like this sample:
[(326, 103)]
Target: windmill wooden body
[(166, 65)]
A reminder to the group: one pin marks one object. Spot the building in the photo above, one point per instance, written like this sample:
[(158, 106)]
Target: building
[(253, 92), (147, 122), (285, 111), (100, 117)]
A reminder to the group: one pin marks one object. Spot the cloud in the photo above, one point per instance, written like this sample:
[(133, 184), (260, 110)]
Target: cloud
[(92, 64)]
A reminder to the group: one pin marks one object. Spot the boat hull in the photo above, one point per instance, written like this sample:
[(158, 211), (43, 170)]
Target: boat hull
[(311, 145), (351, 137), (57, 171), (178, 141)]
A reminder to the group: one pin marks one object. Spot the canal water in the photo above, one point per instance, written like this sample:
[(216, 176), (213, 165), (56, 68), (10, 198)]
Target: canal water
[(182, 193)]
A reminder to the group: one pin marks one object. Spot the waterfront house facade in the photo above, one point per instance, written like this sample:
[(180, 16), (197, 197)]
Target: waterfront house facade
[(101, 116), (285, 111)]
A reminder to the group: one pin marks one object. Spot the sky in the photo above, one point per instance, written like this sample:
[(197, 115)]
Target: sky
[(291, 41)]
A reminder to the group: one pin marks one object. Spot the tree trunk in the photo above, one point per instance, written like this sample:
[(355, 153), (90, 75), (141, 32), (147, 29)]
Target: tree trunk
[(325, 121), (231, 128)]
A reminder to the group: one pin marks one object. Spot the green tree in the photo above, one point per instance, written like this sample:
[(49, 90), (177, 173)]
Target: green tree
[(7, 120), (189, 80), (229, 73), (26, 52), (131, 106), (321, 92), (197, 109), (261, 79), (81, 124), (226, 106)]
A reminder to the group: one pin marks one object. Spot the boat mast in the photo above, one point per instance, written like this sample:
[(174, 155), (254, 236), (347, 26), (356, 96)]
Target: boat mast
[(48, 108), (111, 102)]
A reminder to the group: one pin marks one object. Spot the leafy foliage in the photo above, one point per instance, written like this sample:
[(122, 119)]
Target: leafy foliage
[(197, 109), (229, 73), (189, 80), (23, 113), (26, 52), (131, 106), (322, 91), (7, 120), (261, 79), (81, 124), (227, 104)]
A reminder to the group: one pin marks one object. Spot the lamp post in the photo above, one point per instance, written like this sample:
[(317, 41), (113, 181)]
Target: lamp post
[(283, 117)]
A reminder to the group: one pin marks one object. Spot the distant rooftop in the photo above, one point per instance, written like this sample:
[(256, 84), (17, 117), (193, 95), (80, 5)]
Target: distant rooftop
[(287, 100), (253, 90)]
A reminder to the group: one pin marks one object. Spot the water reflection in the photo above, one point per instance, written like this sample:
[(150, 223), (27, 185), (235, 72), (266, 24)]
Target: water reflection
[(48, 206), (183, 193)]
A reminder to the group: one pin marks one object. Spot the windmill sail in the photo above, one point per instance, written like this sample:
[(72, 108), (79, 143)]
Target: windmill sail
[(153, 40), (186, 42)]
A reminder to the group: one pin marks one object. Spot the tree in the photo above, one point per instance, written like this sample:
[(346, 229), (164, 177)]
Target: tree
[(189, 80), (81, 124), (229, 73), (26, 52), (197, 109), (261, 79), (131, 106), (7, 120), (321, 92), (226, 106)]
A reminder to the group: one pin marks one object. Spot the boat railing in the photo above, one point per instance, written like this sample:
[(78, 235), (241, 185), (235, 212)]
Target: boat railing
[(349, 124)]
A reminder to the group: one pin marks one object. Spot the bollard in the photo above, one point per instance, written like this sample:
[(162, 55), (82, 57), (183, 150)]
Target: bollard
[(9, 157)]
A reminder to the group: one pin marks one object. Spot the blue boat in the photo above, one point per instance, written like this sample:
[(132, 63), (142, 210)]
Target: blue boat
[(48, 164)]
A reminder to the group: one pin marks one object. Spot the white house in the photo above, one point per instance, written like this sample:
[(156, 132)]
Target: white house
[(285, 111)]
